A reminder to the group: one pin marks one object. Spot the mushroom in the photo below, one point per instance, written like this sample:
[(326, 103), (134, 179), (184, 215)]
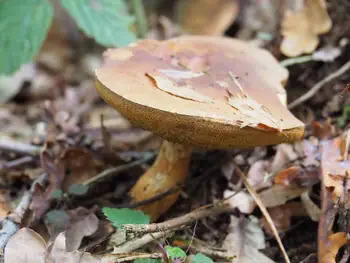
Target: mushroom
[(196, 91)]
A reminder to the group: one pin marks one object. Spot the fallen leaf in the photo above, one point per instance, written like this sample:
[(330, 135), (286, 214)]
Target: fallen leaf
[(82, 223), (33, 249), (11, 85), (209, 17), (31, 245), (257, 174), (334, 169), (245, 238), (81, 166), (242, 200), (329, 249), (303, 177), (301, 27), (281, 216), (279, 195), (285, 154), (43, 196)]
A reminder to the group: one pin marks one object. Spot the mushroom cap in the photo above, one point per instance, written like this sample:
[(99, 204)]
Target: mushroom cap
[(210, 92)]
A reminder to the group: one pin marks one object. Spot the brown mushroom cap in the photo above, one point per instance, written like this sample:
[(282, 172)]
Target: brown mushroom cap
[(210, 92)]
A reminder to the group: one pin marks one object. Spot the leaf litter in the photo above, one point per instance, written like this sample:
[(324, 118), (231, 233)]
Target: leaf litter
[(60, 114)]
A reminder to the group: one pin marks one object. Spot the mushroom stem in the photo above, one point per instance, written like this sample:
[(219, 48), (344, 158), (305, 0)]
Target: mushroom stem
[(168, 171)]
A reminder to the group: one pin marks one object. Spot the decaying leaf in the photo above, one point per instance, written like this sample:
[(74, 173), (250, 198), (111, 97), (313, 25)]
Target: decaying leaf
[(311, 208), (303, 177), (245, 239), (31, 245), (209, 17), (281, 216), (335, 171), (279, 195), (329, 249), (257, 173), (242, 200), (27, 246), (301, 27), (82, 223)]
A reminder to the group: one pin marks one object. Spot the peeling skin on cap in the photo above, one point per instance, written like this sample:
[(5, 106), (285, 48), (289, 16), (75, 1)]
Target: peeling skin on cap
[(195, 79)]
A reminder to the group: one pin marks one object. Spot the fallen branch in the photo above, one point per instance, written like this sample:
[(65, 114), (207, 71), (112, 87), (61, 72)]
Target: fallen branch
[(319, 85), (137, 243), (210, 210), (264, 211), (115, 258)]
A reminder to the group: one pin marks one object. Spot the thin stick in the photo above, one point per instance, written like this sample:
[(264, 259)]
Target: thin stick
[(16, 163), (292, 61), (117, 170), (319, 85), (117, 258), (19, 147), (264, 211), (134, 244), (174, 223)]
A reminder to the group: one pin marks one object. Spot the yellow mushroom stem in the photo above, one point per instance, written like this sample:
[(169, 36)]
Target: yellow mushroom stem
[(169, 170)]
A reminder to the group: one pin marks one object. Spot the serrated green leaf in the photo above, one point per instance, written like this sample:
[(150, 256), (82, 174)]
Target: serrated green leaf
[(175, 253), (200, 258), (78, 189), (23, 27), (107, 21), (121, 216), (147, 260)]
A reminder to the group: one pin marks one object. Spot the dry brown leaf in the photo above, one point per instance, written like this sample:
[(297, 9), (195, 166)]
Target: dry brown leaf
[(329, 249), (245, 239), (25, 246), (209, 17), (82, 223), (334, 169), (279, 195), (281, 216), (303, 177), (302, 26)]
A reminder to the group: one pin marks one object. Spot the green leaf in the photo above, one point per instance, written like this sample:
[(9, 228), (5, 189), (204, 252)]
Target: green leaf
[(107, 21), (78, 189), (147, 260), (200, 258), (23, 27), (175, 253), (57, 194), (121, 216), (57, 220)]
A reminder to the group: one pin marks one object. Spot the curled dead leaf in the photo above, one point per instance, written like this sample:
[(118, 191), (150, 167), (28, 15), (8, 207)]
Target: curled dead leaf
[(301, 27), (329, 248)]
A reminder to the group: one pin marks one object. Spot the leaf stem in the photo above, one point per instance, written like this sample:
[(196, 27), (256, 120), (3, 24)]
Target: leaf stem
[(141, 20)]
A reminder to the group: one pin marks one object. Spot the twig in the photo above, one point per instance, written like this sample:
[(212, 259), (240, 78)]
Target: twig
[(134, 244), (264, 211), (19, 147), (209, 210), (117, 258), (292, 61), (141, 19), (11, 224), (213, 253), (319, 85), (15, 163), (106, 174)]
